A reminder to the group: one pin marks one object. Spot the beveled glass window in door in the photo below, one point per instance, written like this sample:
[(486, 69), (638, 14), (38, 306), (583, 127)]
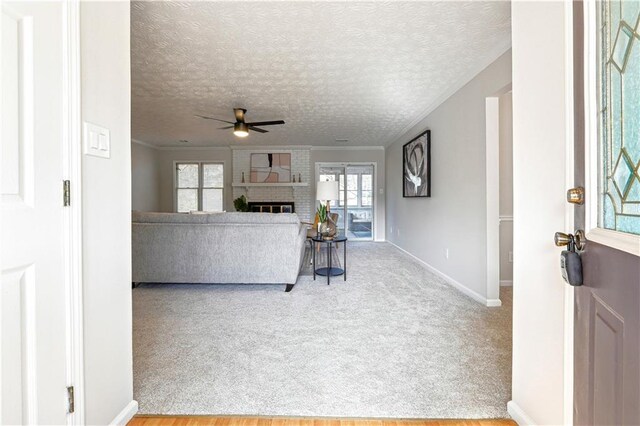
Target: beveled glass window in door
[(619, 123), (199, 186)]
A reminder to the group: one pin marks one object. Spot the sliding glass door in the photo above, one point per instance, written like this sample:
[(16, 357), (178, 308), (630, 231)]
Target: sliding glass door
[(355, 205)]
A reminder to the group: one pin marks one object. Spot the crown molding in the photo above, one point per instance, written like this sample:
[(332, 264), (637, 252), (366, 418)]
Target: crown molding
[(148, 145), (260, 148), (179, 148), (193, 148), (269, 148), (409, 130), (348, 148)]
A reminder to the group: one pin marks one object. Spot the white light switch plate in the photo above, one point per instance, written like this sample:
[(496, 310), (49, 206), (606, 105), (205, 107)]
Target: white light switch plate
[(97, 141)]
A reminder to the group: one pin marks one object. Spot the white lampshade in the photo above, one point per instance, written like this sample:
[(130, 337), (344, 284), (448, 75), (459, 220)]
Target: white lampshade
[(327, 190)]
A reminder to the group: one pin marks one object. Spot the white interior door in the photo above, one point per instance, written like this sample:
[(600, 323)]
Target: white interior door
[(32, 290)]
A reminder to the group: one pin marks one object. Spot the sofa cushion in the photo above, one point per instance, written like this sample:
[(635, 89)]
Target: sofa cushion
[(157, 217), (222, 218)]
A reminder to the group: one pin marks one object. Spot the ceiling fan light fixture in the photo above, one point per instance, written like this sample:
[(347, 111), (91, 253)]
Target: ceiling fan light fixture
[(241, 130), (241, 127)]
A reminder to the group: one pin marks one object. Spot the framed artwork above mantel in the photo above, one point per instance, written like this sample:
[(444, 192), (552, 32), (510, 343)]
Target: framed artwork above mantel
[(416, 166), (270, 168)]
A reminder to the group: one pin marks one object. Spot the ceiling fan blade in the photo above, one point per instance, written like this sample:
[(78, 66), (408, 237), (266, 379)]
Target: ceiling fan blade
[(266, 123), (255, 129), (239, 112), (216, 119), (227, 127)]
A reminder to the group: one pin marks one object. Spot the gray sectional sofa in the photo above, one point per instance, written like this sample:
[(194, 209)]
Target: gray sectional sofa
[(239, 248)]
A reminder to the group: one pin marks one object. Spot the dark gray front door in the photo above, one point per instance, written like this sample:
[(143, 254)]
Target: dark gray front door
[(607, 306)]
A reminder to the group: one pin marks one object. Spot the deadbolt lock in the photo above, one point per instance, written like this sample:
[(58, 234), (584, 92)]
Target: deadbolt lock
[(576, 195), (580, 240)]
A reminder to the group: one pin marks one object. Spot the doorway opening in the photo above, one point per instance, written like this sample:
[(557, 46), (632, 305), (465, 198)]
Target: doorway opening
[(506, 188), (355, 206), (499, 180)]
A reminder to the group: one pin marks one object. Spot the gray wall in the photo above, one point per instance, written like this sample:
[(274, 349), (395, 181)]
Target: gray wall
[(145, 178), (357, 155), (506, 185), (454, 217), (106, 212)]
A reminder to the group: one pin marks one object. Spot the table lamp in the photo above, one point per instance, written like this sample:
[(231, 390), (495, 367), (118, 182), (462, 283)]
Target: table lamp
[(326, 191)]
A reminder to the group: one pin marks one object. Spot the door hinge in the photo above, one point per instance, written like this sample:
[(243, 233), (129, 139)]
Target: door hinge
[(70, 400), (66, 192)]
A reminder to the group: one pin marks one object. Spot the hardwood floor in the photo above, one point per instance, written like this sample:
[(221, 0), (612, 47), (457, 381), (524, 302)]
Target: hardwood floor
[(265, 421)]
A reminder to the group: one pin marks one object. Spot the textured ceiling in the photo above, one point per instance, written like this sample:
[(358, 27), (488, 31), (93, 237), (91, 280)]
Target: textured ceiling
[(363, 71)]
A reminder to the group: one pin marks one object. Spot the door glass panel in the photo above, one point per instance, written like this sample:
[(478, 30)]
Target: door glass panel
[(334, 173), (367, 187), (619, 104), (360, 202), (327, 177), (352, 190)]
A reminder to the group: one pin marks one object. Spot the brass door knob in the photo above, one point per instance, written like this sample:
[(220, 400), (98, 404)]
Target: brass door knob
[(561, 239), (577, 241)]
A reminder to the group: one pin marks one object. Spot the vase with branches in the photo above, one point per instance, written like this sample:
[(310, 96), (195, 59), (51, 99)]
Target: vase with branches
[(327, 228), (322, 213)]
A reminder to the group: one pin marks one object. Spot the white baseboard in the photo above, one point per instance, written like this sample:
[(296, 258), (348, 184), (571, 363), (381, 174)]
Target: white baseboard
[(461, 287), (506, 283), (494, 303), (518, 415), (126, 414)]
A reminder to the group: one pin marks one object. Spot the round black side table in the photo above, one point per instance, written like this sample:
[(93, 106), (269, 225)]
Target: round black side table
[(329, 271)]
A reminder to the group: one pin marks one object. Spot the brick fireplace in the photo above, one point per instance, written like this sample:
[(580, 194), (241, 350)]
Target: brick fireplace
[(274, 196)]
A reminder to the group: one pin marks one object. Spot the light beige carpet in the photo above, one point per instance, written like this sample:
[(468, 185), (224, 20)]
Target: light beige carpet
[(392, 341), (321, 258)]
